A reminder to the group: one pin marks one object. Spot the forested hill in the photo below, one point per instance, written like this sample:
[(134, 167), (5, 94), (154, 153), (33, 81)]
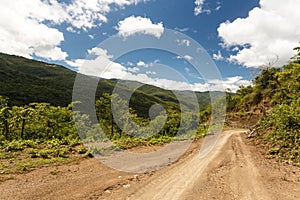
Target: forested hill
[(25, 81), (274, 100)]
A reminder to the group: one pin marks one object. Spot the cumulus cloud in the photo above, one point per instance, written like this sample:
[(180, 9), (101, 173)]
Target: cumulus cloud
[(71, 29), (199, 7), (218, 56), (99, 64), (269, 32), (141, 64), (27, 27), (22, 33), (231, 83), (139, 25), (96, 51), (103, 66), (146, 65), (83, 14), (133, 69)]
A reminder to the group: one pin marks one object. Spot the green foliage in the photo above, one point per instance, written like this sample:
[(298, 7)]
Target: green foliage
[(38, 133), (82, 150), (22, 155), (274, 86), (25, 81), (275, 97), (38, 120), (175, 124), (281, 130)]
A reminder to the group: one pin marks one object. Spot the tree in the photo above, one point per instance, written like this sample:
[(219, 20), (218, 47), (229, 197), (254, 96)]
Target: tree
[(4, 116), (296, 58)]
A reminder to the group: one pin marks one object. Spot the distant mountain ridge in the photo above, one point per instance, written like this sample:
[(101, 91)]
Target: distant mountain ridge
[(25, 81)]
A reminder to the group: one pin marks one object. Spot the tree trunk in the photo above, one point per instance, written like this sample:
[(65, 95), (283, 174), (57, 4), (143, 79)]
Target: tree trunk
[(112, 125), (23, 128)]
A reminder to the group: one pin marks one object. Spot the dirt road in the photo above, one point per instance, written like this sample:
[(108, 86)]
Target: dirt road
[(233, 170)]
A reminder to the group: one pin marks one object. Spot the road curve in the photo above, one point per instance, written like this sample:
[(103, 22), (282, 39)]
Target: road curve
[(231, 171)]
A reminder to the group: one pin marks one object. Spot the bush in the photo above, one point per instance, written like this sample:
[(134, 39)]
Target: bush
[(15, 145), (82, 150), (282, 130)]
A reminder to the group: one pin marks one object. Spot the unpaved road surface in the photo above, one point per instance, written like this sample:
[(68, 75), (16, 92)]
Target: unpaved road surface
[(233, 170)]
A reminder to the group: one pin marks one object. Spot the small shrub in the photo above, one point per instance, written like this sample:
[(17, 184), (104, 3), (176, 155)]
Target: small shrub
[(82, 150), (54, 172), (44, 153), (274, 151), (15, 145)]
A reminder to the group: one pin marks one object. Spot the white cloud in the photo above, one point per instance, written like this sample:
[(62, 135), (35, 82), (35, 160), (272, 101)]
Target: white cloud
[(235, 49), (218, 8), (27, 27), (199, 7), (102, 66), (218, 56), (151, 72), (270, 31), (133, 69), (84, 14), (99, 52), (143, 64), (50, 52), (22, 33), (183, 42), (139, 25), (231, 83), (129, 64), (186, 57), (71, 29), (182, 29)]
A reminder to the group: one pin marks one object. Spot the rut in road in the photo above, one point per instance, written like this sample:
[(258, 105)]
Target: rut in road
[(231, 175)]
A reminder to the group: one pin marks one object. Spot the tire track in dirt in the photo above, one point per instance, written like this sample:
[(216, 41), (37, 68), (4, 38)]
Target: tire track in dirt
[(231, 175)]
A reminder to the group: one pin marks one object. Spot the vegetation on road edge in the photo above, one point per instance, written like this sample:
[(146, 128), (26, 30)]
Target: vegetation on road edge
[(39, 134), (274, 97)]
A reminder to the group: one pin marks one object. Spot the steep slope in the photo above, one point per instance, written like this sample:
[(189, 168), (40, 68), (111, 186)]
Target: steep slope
[(272, 105)]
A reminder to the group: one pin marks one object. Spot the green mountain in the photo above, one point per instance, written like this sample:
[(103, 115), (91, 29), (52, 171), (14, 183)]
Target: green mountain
[(25, 81)]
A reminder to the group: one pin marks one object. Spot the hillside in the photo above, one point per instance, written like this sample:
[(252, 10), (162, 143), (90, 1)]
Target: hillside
[(271, 108), (25, 81)]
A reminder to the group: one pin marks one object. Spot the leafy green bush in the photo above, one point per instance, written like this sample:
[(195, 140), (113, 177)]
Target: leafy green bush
[(282, 130), (82, 150), (15, 145)]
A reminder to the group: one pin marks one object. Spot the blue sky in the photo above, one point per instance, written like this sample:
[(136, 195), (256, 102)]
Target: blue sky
[(239, 36)]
